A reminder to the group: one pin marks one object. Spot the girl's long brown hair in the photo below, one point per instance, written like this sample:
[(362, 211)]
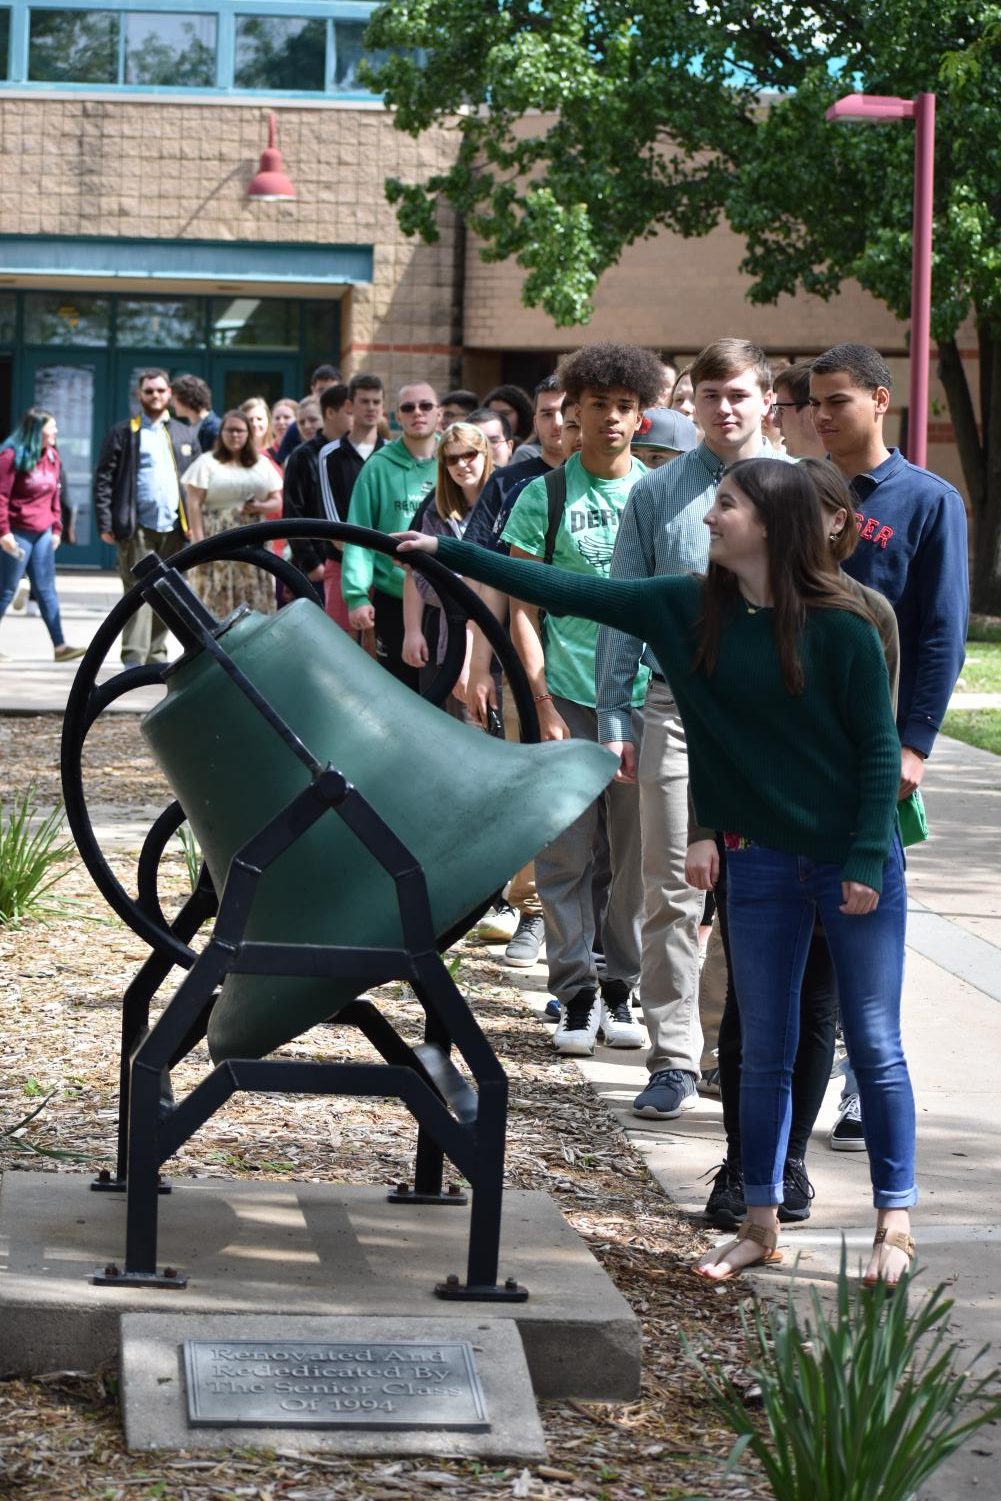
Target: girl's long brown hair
[(799, 567)]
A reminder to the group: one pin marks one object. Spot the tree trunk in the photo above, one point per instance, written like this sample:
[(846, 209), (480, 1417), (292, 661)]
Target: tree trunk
[(981, 461), (986, 581)]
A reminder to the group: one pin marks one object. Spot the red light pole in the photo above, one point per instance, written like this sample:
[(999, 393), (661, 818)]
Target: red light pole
[(878, 108)]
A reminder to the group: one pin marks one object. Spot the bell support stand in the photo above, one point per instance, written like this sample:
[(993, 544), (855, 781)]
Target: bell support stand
[(463, 1118)]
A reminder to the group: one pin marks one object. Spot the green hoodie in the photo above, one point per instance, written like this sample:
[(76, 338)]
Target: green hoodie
[(387, 492)]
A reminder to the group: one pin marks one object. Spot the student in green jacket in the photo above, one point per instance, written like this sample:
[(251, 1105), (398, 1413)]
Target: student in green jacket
[(387, 493), (781, 682)]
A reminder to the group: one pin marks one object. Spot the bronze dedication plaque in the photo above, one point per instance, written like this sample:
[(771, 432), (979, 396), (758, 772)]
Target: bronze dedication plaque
[(348, 1384)]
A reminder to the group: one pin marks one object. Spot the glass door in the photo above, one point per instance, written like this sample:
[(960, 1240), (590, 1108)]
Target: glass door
[(236, 376), (72, 385)]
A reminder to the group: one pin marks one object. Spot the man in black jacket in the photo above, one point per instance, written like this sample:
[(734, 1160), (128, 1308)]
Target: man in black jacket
[(319, 479), (138, 498)]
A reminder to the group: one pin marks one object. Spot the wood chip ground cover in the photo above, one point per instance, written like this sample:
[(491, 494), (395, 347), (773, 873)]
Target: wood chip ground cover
[(60, 989)]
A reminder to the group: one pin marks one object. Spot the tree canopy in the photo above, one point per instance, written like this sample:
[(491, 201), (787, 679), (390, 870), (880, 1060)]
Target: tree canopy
[(672, 116)]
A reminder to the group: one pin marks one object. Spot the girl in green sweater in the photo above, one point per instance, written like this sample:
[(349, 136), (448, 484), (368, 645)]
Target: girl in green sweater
[(781, 682)]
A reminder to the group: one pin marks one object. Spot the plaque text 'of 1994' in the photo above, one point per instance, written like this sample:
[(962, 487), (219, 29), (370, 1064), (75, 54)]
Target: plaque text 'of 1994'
[(321, 1384)]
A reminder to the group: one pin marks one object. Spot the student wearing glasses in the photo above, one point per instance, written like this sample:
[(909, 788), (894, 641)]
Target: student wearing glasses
[(464, 466), (386, 496), (792, 412), (232, 486), (139, 501)]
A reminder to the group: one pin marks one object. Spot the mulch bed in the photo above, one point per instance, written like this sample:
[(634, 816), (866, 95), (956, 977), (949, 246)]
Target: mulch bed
[(60, 988)]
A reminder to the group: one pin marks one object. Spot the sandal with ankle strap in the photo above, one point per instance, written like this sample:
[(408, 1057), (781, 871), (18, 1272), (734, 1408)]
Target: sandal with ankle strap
[(766, 1239), (896, 1240)]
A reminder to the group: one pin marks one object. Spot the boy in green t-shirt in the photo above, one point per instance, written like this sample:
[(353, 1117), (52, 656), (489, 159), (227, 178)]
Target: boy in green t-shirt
[(610, 384)]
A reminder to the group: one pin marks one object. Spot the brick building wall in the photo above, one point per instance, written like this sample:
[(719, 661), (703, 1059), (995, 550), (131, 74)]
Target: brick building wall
[(676, 295), (155, 169)]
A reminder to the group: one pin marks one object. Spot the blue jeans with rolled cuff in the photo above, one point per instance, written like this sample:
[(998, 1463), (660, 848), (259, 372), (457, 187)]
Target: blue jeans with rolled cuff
[(772, 901), (39, 563)]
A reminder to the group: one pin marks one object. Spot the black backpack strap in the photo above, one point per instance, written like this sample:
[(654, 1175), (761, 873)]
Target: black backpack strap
[(556, 494)]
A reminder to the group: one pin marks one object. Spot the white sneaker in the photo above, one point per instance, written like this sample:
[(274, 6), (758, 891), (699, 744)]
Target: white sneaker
[(499, 925), (619, 1028), (21, 593), (577, 1031)]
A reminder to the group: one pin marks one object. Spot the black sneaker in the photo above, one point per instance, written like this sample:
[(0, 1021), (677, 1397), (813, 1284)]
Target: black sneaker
[(797, 1192), (847, 1135), (725, 1207)]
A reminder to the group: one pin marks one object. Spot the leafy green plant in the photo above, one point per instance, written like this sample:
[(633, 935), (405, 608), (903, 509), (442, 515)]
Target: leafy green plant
[(860, 1403), (192, 853), (31, 849), (12, 1140)]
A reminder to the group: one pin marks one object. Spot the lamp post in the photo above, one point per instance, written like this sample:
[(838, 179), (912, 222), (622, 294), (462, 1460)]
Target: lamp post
[(921, 109)]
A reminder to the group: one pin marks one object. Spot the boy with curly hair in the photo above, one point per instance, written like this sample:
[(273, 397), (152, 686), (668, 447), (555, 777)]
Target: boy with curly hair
[(570, 517)]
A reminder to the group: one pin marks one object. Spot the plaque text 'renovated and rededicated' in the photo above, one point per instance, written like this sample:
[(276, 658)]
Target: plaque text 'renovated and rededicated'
[(326, 1384)]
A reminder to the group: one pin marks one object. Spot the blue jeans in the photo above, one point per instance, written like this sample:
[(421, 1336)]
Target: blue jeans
[(772, 900), (40, 566)]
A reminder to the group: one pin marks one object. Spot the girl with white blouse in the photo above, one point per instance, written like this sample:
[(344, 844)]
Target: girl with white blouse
[(231, 486)]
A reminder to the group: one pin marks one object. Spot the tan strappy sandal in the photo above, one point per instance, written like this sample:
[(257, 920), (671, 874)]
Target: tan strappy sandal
[(897, 1240), (766, 1239)]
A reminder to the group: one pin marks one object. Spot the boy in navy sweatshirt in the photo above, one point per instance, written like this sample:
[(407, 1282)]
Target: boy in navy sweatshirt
[(912, 549)]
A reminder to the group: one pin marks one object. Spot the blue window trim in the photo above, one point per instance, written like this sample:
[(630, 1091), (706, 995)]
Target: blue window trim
[(331, 11), (62, 256)]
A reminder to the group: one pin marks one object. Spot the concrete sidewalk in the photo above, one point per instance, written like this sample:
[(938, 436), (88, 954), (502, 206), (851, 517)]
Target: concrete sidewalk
[(30, 681), (952, 1033)]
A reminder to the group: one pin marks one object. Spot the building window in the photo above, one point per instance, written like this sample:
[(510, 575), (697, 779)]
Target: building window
[(160, 323), (165, 50), (8, 317), (219, 45), (348, 53), (280, 52), (4, 43), (254, 323), (73, 46), (55, 318)]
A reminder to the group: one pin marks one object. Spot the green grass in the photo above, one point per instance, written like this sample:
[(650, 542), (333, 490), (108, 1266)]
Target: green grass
[(984, 628), (980, 727), (982, 669)]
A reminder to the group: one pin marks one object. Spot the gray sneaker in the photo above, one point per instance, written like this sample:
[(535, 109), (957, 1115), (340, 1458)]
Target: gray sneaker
[(523, 950), (670, 1091)]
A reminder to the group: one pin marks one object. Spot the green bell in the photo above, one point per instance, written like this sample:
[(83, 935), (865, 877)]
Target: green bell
[(471, 808)]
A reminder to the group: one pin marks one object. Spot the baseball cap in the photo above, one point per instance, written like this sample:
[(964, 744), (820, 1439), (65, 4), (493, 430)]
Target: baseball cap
[(662, 428)]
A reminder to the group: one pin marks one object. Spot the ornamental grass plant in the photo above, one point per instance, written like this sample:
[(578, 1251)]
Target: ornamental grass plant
[(862, 1402), (31, 851)]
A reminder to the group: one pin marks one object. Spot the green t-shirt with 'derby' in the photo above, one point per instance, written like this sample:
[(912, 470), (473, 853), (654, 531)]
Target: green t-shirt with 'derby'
[(584, 544)]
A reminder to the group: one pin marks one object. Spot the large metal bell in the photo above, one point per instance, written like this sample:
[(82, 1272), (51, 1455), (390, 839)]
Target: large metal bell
[(471, 809)]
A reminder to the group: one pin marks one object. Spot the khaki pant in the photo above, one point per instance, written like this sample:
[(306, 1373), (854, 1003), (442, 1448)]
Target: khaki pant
[(521, 891), (669, 981), (712, 996), (144, 638)]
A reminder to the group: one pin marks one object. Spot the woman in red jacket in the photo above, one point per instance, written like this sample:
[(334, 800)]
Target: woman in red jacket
[(30, 520)]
